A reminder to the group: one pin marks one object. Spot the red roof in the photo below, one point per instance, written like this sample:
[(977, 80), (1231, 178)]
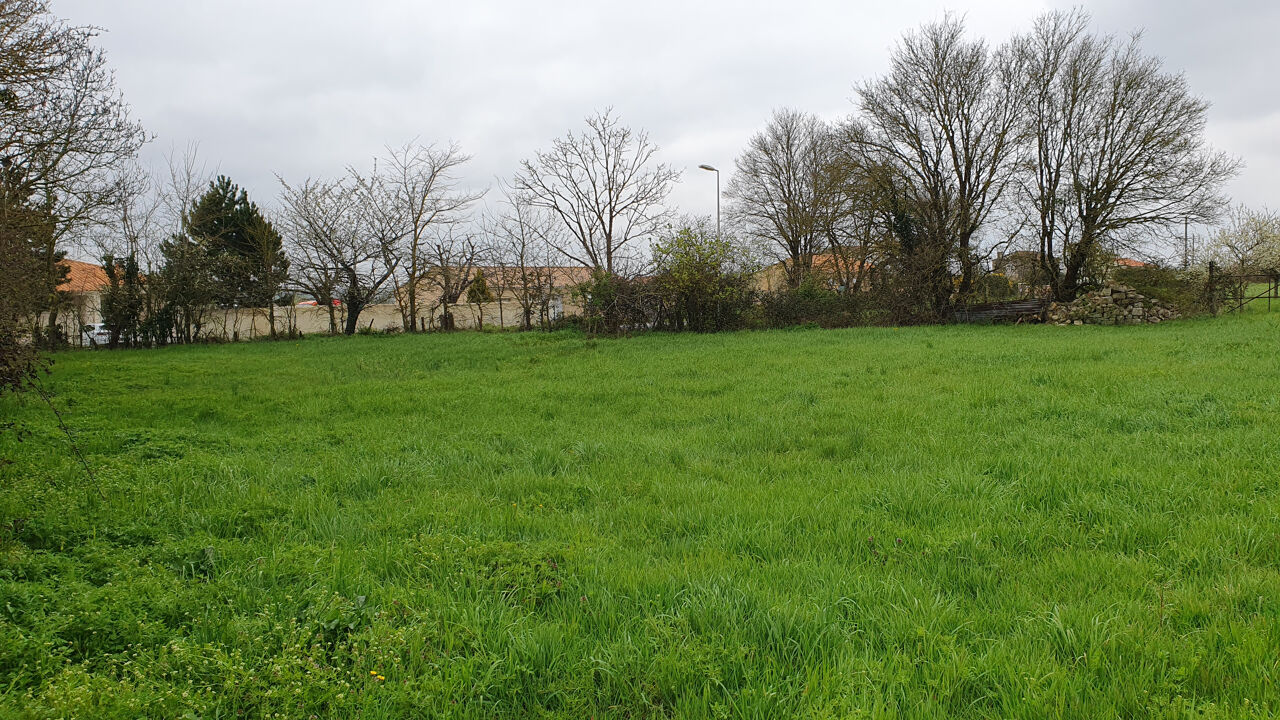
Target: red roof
[(826, 262), (83, 277), (1128, 262)]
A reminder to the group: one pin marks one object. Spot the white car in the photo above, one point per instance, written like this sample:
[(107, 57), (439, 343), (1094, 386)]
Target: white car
[(95, 334)]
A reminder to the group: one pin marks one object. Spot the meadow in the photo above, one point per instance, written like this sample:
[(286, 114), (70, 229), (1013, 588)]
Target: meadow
[(1023, 522)]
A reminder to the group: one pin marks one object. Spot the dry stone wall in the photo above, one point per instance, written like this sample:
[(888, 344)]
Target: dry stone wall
[(1112, 305)]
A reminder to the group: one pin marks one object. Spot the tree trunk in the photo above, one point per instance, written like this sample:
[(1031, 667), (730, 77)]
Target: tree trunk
[(353, 317), (966, 267), (1069, 286), (446, 317), (1075, 262), (412, 287)]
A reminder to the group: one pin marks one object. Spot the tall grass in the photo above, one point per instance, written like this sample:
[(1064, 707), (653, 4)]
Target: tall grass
[(928, 522)]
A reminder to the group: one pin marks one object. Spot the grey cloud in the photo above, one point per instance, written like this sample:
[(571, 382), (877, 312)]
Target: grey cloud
[(304, 88)]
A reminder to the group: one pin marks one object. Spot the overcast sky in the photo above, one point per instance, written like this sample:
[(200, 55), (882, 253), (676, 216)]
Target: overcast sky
[(306, 87)]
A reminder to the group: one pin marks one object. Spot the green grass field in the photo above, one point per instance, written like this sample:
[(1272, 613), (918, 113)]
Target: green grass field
[(962, 522)]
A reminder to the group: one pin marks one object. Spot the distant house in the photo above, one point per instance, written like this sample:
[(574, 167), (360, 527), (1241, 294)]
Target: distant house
[(82, 291), (1022, 267), (506, 283), (826, 269), (79, 299), (1122, 262)]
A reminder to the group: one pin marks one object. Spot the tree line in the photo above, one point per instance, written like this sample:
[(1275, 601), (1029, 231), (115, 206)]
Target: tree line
[(1061, 141)]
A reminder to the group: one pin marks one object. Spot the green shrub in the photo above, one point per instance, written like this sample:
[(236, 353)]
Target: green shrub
[(810, 304), (993, 287), (699, 281), (1183, 290), (568, 322), (613, 304)]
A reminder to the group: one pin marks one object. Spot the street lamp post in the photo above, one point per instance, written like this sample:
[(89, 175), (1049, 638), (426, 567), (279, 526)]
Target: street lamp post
[(717, 172)]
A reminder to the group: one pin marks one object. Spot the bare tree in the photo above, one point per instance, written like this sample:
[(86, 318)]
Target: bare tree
[(943, 128), (318, 223), (1118, 146), (313, 275), (453, 255), (522, 235), (784, 193), (183, 271), (606, 186), (498, 278), (65, 135), (852, 234), (341, 246), (384, 220), (129, 244), (424, 186)]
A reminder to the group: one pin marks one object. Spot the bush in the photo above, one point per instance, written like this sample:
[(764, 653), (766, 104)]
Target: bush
[(1186, 291), (700, 283), (614, 304), (568, 322), (811, 304), (993, 287)]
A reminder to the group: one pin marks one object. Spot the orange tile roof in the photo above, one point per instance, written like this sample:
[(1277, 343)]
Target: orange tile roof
[(83, 277), (827, 262), (1129, 262)]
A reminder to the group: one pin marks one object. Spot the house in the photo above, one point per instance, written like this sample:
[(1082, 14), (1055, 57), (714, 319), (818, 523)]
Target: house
[(81, 294), (79, 300), (508, 283), (826, 268), (1123, 262), (1022, 267)]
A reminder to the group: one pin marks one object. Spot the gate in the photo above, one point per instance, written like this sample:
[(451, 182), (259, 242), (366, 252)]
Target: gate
[(1236, 292)]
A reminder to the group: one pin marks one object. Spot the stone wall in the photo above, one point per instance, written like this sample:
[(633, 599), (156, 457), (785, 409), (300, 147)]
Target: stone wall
[(1113, 305)]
